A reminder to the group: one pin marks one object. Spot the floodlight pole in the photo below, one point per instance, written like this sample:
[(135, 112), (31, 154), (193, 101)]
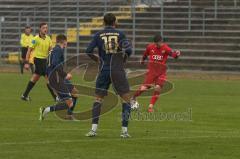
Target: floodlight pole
[(204, 22), (215, 9), (65, 28), (2, 19), (49, 16), (189, 14), (105, 7), (1, 36), (78, 32), (134, 25), (235, 3), (162, 16), (34, 20)]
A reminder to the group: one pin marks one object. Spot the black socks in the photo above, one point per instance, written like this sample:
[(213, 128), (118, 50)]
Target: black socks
[(29, 88)]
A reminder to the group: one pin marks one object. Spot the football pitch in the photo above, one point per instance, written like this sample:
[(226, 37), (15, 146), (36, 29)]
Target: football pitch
[(212, 131)]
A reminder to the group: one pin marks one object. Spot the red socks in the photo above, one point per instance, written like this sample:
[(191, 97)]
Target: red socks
[(154, 97)]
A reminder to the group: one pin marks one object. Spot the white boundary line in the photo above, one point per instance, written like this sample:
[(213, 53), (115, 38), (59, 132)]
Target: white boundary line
[(97, 139), (236, 132)]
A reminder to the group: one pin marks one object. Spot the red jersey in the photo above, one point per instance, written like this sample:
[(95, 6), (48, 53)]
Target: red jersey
[(158, 57)]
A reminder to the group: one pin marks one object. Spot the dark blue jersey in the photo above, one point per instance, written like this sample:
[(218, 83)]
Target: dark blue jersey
[(113, 47), (56, 61)]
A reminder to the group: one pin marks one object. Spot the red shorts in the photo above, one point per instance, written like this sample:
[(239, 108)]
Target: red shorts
[(157, 79)]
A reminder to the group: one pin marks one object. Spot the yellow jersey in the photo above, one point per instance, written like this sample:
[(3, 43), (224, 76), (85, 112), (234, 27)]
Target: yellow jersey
[(41, 47), (26, 40)]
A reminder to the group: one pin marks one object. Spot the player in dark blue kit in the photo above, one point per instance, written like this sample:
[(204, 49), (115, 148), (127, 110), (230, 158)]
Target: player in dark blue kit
[(112, 53), (60, 81)]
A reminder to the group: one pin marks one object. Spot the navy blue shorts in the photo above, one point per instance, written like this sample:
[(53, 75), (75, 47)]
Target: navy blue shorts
[(61, 86), (65, 93), (117, 78)]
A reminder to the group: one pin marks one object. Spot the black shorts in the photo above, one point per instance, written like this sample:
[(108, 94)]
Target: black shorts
[(60, 85), (40, 66), (117, 78), (24, 51)]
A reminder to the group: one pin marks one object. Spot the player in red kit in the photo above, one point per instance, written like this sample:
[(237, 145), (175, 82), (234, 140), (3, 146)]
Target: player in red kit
[(157, 54)]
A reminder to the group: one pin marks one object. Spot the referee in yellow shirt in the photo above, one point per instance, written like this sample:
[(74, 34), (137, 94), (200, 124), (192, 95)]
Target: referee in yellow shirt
[(26, 39), (40, 46)]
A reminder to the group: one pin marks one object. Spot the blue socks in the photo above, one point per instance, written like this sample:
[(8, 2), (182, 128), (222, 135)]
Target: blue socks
[(58, 106), (126, 110), (70, 110), (96, 112)]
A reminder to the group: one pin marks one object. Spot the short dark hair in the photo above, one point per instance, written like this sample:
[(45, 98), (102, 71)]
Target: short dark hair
[(42, 24), (60, 38), (157, 38), (28, 27), (109, 19)]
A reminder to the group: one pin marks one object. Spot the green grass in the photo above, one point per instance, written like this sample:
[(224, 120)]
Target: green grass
[(213, 132)]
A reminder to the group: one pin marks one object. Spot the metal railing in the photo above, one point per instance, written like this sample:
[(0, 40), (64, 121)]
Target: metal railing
[(74, 17)]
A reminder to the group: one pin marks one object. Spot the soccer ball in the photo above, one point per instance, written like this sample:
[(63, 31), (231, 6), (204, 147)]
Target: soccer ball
[(134, 105)]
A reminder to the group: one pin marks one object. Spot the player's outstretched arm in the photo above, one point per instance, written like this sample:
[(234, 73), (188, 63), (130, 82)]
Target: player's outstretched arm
[(175, 54), (90, 49), (94, 57), (28, 54), (142, 60)]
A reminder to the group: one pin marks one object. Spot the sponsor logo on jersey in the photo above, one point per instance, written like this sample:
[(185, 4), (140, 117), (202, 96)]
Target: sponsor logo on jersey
[(157, 57)]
